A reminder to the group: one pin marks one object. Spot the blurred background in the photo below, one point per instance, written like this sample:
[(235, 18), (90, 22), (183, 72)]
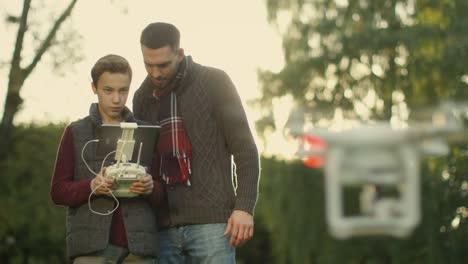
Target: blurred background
[(297, 64)]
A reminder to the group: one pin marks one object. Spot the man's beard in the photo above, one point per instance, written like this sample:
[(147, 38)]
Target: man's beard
[(169, 81)]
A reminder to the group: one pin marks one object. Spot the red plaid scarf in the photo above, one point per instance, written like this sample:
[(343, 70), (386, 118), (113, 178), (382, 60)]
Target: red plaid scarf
[(174, 148)]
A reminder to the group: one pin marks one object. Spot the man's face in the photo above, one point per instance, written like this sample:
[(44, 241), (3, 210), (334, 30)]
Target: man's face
[(112, 92), (161, 64)]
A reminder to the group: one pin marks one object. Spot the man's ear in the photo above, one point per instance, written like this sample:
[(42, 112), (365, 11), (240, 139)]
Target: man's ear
[(93, 87), (180, 54)]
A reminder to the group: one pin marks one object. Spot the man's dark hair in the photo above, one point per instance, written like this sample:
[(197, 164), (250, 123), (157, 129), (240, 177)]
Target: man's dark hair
[(110, 63), (159, 34)]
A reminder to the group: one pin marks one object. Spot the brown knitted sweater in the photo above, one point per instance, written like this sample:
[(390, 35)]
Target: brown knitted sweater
[(217, 126)]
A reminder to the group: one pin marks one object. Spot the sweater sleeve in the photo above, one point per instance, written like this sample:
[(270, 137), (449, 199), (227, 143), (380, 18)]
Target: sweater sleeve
[(158, 194), (136, 105), (64, 190), (231, 116)]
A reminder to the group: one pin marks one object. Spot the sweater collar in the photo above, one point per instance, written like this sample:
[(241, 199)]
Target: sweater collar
[(96, 118)]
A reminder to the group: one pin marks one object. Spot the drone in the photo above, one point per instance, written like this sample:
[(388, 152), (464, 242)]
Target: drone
[(380, 164)]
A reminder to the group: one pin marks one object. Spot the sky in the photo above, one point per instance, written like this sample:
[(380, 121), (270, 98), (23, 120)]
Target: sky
[(231, 35)]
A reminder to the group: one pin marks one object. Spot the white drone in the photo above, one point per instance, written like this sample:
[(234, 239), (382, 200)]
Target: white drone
[(373, 158)]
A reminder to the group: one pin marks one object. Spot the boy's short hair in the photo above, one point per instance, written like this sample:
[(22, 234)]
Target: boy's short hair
[(110, 63), (157, 35)]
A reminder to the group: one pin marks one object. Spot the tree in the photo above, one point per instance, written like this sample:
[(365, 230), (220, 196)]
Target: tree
[(366, 58), (18, 73)]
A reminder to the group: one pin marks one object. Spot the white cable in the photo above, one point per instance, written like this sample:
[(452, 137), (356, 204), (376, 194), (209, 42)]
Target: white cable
[(94, 190), (104, 160), (82, 155), (113, 196)]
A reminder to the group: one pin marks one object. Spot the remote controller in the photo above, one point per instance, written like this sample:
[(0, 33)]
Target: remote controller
[(124, 174)]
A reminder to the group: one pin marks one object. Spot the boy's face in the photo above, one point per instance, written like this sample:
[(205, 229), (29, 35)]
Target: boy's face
[(161, 64), (112, 92)]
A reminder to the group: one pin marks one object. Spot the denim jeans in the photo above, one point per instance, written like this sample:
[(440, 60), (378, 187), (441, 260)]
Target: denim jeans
[(196, 244), (113, 255)]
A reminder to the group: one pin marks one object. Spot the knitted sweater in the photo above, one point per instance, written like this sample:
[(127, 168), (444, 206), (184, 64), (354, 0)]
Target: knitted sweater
[(217, 126)]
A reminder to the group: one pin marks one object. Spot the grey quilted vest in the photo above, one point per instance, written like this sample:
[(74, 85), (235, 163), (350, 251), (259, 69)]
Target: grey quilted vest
[(88, 232)]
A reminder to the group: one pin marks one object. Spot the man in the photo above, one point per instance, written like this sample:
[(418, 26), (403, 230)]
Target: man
[(203, 125), (128, 234)]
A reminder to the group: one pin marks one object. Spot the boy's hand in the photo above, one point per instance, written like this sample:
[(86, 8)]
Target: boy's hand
[(143, 186), (101, 185)]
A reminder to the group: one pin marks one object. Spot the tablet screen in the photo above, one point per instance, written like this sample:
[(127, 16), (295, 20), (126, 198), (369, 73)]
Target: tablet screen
[(146, 135)]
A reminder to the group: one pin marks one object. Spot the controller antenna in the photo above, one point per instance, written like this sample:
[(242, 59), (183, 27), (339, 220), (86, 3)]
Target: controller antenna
[(139, 153)]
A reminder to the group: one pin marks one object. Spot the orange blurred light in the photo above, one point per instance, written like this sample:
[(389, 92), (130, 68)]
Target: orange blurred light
[(313, 144), (313, 161)]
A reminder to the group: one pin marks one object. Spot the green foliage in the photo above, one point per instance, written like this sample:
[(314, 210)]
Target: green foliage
[(32, 229), (292, 207), (355, 54), (258, 249)]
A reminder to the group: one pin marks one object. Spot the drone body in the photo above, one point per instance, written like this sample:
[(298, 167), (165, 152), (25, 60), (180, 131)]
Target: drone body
[(380, 165)]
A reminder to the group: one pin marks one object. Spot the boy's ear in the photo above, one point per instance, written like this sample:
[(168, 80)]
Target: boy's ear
[(94, 88)]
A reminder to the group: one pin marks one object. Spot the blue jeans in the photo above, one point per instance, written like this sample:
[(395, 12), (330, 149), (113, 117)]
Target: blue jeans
[(196, 244)]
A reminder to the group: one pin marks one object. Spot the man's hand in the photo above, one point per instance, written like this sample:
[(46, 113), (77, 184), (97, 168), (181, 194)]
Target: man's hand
[(143, 186), (101, 185), (241, 227)]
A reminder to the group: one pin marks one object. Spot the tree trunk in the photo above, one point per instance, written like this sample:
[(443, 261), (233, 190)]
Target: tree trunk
[(18, 74), (12, 104)]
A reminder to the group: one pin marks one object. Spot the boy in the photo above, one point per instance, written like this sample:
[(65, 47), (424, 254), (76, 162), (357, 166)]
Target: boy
[(129, 233)]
